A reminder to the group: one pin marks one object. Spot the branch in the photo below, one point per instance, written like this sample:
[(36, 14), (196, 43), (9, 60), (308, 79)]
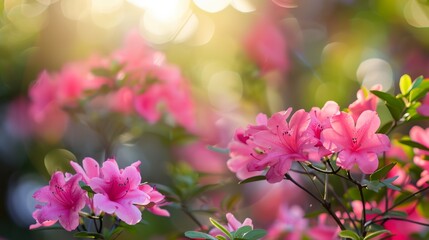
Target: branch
[(323, 203)]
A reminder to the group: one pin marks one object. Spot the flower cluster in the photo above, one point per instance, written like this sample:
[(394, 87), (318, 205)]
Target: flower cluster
[(275, 143), (132, 80), (105, 190)]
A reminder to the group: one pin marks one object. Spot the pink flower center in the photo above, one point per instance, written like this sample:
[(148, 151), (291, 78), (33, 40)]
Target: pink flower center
[(63, 197), (118, 189)]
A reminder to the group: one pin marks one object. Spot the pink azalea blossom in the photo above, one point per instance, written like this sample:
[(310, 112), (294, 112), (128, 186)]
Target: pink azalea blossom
[(122, 101), (320, 120), (169, 95), (290, 224), (241, 150), (357, 143), (64, 199), (91, 169), (365, 101), (424, 108), (266, 45), (233, 225), (156, 200), (420, 135), (281, 144), (323, 231), (117, 191)]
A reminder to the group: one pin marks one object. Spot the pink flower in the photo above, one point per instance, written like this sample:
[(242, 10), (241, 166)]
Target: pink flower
[(122, 101), (320, 120), (281, 144), (117, 190), (266, 45), (42, 94), (168, 95), (365, 101), (242, 151), (420, 135), (64, 199), (356, 143), (233, 225), (90, 169), (137, 58), (156, 200), (290, 224), (322, 231), (424, 108)]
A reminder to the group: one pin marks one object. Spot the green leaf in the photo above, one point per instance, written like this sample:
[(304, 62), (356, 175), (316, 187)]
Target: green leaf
[(89, 235), (382, 172), (241, 231), (255, 234), (405, 84), (349, 234), (417, 82), (385, 127), (374, 185), (413, 144), (220, 237), (388, 183), (194, 234), (252, 179), (87, 188), (373, 211), (375, 234), (219, 150), (59, 160), (220, 227), (394, 213), (418, 91), (396, 106)]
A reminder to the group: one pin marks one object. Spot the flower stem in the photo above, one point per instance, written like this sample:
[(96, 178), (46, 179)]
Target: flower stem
[(324, 204), (362, 197)]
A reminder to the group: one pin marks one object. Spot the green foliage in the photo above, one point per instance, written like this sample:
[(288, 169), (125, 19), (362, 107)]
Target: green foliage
[(242, 233), (405, 84), (196, 235), (375, 234), (349, 234), (413, 144), (376, 185), (88, 235), (396, 106), (253, 179), (221, 228), (382, 172)]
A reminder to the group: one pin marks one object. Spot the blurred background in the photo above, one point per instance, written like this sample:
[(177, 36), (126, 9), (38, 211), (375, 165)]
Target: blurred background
[(238, 57)]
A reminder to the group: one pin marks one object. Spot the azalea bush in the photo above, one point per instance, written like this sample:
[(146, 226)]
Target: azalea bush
[(353, 168), (141, 127)]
